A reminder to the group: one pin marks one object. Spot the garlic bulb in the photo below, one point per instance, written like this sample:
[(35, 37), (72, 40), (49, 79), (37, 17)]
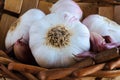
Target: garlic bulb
[(103, 26), (57, 38), (20, 28), (68, 6)]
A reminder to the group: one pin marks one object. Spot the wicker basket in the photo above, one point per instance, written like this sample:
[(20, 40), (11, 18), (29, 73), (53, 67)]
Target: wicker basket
[(87, 69)]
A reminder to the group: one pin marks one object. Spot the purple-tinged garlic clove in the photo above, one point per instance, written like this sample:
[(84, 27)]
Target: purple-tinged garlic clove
[(112, 45), (83, 55), (108, 39), (23, 53), (97, 42)]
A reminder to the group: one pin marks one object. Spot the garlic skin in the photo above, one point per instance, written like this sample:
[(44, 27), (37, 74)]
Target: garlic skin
[(20, 28), (103, 26), (57, 38), (68, 6), (97, 42), (23, 53)]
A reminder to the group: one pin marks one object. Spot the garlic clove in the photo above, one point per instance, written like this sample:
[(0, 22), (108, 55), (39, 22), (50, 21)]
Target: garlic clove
[(108, 39), (20, 28), (23, 53), (57, 38), (103, 26), (86, 54), (100, 43), (97, 42), (112, 45), (67, 6)]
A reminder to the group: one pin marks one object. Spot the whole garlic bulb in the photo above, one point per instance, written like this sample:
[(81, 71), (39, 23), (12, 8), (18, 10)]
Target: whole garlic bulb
[(67, 6), (20, 28), (103, 26), (57, 38)]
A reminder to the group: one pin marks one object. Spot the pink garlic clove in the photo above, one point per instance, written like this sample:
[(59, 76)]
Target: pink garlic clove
[(23, 53), (111, 45), (83, 55), (108, 39), (97, 42)]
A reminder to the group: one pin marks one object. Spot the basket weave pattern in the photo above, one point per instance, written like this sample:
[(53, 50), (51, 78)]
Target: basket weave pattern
[(104, 67)]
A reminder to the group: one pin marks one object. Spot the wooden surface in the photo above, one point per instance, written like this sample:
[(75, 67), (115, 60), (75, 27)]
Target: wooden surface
[(28, 4), (5, 23), (13, 6), (107, 11), (51, 1), (44, 6), (117, 14), (88, 8)]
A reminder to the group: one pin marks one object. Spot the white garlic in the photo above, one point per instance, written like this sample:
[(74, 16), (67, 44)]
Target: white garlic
[(103, 26), (67, 6), (57, 38), (20, 28)]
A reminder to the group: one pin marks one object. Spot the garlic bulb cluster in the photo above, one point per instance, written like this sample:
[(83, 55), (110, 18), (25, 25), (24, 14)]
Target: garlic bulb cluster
[(20, 28), (56, 38), (103, 26), (68, 6)]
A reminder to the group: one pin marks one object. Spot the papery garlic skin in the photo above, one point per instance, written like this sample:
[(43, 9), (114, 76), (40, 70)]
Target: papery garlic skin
[(23, 53), (49, 54), (67, 6), (103, 26), (97, 42), (20, 28)]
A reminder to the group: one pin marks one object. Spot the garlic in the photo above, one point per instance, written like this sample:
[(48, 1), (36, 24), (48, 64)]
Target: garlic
[(68, 6), (20, 28), (103, 26), (23, 53), (56, 38), (97, 42)]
